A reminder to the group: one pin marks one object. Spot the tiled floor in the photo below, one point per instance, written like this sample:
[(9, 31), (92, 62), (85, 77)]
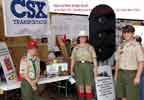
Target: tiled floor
[(52, 94)]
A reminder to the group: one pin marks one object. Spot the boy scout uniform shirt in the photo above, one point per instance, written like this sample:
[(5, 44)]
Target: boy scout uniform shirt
[(27, 61), (129, 54), (85, 53)]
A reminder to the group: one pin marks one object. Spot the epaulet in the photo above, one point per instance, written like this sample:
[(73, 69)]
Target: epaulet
[(76, 47), (89, 45), (135, 43)]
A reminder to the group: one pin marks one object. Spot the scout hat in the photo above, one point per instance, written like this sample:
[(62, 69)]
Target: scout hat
[(82, 33), (32, 43), (128, 28)]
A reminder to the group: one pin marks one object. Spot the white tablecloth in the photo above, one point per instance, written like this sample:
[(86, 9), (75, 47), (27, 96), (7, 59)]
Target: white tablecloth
[(16, 85)]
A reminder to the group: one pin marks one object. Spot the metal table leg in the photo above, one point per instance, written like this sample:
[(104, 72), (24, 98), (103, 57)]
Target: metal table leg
[(66, 88)]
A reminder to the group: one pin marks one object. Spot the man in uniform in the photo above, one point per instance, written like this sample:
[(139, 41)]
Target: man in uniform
[(30, 71), (129, 64)]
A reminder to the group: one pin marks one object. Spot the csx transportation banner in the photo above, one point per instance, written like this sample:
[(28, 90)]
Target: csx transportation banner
[(25, 17)]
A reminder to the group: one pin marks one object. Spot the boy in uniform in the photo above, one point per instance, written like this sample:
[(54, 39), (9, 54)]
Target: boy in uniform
[(30, 72)]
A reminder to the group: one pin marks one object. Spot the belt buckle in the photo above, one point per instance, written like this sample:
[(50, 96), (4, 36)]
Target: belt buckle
[(82, 61)]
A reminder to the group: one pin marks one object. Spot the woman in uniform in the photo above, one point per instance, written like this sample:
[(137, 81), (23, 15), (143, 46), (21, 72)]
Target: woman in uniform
[(30, 72), (83, 64)]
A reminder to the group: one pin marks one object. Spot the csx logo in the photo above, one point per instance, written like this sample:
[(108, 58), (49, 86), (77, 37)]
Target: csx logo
[(31, 9)]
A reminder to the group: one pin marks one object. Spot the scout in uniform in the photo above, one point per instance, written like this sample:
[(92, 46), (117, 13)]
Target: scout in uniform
[(83, 64), (129, 62), (30, 72)]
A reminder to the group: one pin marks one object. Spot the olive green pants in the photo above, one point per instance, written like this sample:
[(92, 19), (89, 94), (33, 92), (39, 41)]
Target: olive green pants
[(84, 74), (125, 86), (27, 92)]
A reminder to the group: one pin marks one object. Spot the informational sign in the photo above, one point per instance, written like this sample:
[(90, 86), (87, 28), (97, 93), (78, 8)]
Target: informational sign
[(72, 80), (124, 9), (104, 84), (25, 17), (6, 64)]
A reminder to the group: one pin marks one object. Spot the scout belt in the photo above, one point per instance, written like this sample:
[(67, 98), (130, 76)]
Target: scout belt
[(83, 61)]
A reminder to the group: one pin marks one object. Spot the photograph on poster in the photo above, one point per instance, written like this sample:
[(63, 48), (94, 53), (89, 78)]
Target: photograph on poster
[(7, 63), (12, 76), (104, 74)]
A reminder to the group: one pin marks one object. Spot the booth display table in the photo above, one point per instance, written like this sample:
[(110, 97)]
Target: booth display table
[(9, 87)]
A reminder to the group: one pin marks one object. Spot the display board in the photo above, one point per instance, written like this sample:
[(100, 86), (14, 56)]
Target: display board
[(7, 67), (70, 25), (104, 84), (124, 9)]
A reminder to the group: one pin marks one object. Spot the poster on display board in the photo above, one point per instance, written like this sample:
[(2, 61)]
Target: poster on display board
[(25, 17), (7, 65), (72, 25), (104, 84), (124, 9)]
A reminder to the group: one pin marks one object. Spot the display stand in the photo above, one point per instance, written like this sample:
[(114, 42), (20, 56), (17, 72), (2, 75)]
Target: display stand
[(6, 64), (105, 84), (8, 73)]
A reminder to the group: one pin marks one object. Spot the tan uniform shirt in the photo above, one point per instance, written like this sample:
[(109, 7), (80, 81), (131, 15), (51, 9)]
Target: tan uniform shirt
[(85, 53), (25, 62), (129, 54)]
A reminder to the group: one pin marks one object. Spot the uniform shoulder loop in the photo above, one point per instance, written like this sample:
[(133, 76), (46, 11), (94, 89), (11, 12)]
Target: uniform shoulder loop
[(38, 58), (90, 46), (76, 47)]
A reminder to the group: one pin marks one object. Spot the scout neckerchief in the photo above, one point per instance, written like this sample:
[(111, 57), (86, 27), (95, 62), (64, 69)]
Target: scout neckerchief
[(33, 60), (34, 66)]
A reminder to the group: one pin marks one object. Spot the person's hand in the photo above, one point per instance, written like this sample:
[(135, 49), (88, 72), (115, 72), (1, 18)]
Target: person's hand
[(115, 78), (72, 73), (34, 85), (95, 76), (136, 80), (35, 81)]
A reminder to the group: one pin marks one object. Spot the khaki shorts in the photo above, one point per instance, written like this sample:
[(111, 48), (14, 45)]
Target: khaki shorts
[(125, 86), (84, 74)]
